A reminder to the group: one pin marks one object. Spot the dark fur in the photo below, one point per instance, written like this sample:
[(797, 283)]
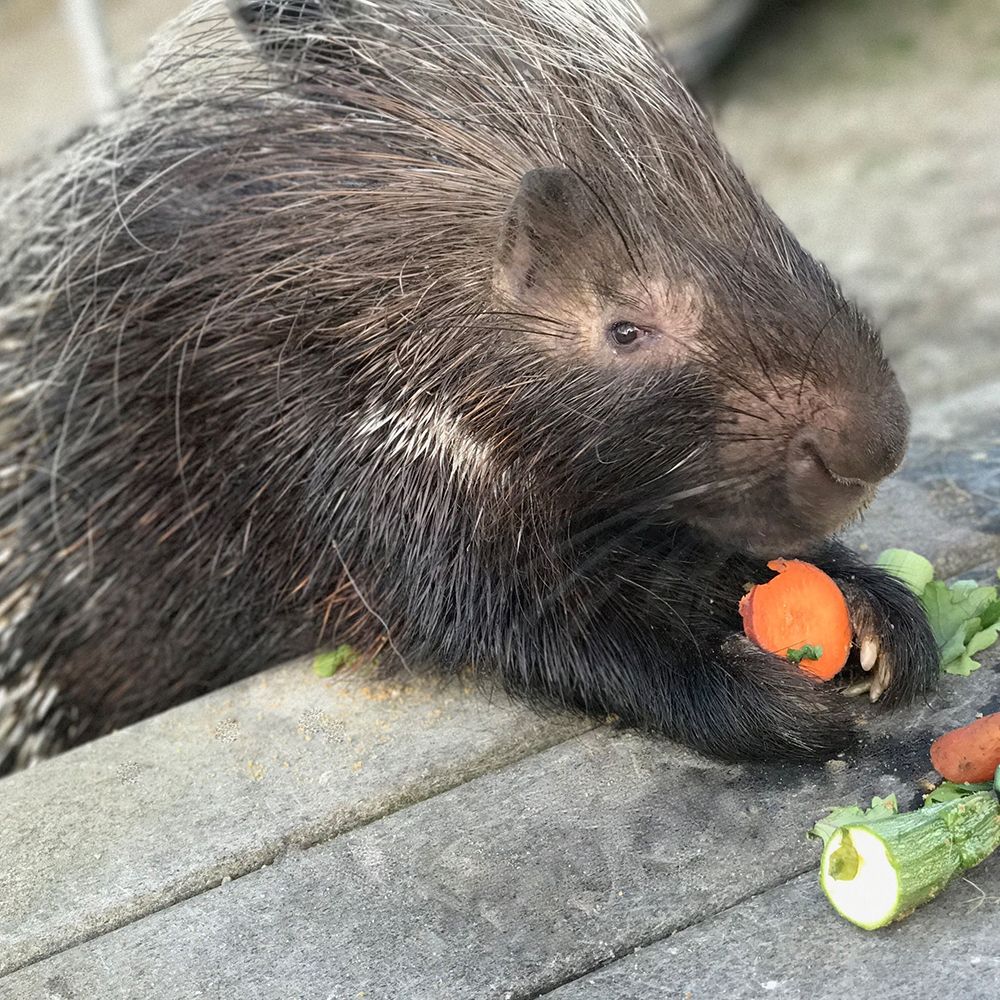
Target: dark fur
[(239, 297)]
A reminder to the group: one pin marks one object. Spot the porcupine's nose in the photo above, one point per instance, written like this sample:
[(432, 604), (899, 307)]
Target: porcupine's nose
[(835, 462)]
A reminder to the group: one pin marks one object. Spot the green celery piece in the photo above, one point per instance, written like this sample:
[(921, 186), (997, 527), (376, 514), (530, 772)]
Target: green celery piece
[(806, 652), (912, 568), (844, 815), (327, 664), (949, 790)]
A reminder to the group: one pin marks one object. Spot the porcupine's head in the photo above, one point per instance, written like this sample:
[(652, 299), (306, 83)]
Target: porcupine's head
[(729, 383), (689, 360)]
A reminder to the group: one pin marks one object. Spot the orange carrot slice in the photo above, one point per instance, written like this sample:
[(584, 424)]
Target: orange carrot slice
[(969, 754), (801, 606)]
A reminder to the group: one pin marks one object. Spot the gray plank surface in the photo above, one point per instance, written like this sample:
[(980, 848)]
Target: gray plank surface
[(510, 885), (788, 944), (213, 789)]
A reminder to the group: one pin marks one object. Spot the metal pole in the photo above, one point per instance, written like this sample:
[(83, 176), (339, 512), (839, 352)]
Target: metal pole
[(85, 20)]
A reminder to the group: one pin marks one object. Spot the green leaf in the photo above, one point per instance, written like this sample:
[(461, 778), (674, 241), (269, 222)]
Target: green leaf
[(949, 790), (910, 567), (961, 666), (843, 815), (965, 620), (806, 652), (972, 627), (982, 639), (990, 614), (327, 664), (955, 646), (974, 596), (950, 608)]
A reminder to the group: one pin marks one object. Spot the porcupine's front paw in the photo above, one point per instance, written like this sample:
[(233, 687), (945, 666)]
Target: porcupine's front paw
[(897, 653)]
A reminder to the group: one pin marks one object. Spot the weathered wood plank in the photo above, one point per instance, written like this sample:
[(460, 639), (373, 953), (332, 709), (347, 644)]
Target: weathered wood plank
[(506, 886), (788, 944), (213, 789)]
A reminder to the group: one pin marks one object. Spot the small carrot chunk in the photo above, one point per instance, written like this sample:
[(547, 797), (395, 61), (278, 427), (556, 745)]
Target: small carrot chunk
[(801, 607), (971, 753)]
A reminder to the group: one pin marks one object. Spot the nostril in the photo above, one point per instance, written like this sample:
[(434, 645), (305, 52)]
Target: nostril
[(835, 460), (852, 451), (811, 456), (819, 489)]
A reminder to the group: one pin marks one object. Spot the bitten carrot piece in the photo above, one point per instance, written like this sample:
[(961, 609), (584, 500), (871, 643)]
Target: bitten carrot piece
[(801, 607), (971, 753)]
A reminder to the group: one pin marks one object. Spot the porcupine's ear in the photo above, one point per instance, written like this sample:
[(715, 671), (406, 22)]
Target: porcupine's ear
[(545, 228)]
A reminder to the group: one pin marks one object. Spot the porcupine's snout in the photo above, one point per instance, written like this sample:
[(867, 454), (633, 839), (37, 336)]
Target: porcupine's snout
[(834, 464), (811, 456)]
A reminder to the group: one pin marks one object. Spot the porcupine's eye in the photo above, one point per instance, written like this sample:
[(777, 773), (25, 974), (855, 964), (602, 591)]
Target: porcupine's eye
[(626, 336)]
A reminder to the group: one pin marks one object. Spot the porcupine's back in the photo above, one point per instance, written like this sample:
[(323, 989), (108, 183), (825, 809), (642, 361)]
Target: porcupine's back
[(211, 300)]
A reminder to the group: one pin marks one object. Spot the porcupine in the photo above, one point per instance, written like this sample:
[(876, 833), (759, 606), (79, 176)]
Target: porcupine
[(446, 330)]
